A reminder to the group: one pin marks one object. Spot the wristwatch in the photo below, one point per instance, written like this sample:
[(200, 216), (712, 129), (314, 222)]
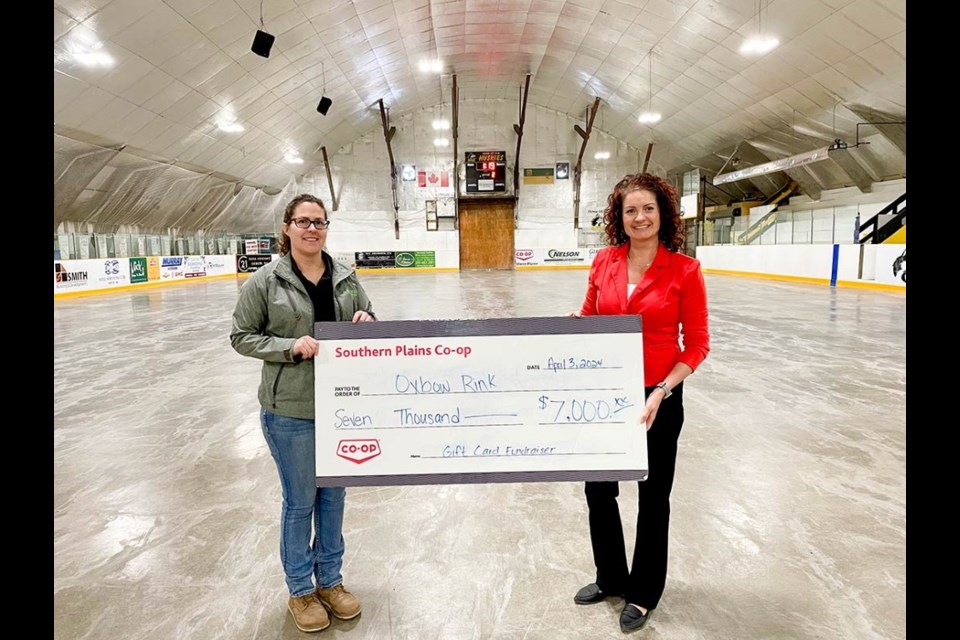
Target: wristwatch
[(666, 390)]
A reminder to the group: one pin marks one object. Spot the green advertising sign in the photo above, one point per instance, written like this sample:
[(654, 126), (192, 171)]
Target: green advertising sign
[(538, 176), (138, 270), (425, 258), (416, 259)]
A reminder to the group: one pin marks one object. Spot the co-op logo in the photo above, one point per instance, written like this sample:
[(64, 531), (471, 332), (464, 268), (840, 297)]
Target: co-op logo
[(405, 260), (358, 451), (524, 254)]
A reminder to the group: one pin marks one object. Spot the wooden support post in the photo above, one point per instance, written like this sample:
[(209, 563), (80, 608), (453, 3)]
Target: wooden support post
[(333, 196), (518, 128), (585, 135), (388, 133), (646, 159), (455, 107)]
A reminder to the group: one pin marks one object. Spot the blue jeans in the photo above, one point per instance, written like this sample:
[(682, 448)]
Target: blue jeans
[(292, 445)]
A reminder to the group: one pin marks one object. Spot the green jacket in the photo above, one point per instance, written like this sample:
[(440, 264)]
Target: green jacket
[(272, 312)]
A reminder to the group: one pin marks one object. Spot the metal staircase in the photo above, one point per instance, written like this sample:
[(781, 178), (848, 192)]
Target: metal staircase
[(757, 228), (880, 227)]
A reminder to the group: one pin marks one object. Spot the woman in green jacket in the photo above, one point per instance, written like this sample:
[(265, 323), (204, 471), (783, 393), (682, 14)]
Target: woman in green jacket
[(273, 321)]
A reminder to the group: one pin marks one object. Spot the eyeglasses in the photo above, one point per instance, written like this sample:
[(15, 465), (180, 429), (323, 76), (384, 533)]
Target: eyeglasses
[(304, 223)]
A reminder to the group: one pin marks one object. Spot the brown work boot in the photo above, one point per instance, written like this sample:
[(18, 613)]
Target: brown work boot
[(341, 602), (308, 614)]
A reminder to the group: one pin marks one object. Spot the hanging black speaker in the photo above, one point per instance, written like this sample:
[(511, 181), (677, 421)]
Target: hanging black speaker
[(262, 42), (324, 105)]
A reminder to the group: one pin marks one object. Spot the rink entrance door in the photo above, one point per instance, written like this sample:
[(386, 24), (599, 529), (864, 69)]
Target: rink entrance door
[(486, 233)]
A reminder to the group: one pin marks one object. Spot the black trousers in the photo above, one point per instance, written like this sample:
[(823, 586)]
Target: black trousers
[(644, 582)]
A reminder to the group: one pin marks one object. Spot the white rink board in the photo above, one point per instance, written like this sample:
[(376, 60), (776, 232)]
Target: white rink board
[(504, 400)]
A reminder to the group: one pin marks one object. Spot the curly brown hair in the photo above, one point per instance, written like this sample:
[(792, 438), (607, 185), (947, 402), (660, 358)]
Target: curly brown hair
[(671, 234), (284, 241)]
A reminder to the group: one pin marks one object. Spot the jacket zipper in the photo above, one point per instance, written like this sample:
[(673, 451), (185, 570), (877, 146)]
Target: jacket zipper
[(338, 312)]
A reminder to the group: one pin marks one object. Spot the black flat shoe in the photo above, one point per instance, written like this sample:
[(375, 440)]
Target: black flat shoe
[(632, 618), (591, 594)]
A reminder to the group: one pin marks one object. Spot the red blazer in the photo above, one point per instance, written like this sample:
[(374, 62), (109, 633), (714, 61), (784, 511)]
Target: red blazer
[(670, 295)]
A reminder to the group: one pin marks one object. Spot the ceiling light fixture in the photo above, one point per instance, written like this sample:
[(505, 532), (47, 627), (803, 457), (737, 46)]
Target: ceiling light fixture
[(262, 41), (440, 123), (649, 116), (431, 66), (776, 165), (759, 43), (601, 155)]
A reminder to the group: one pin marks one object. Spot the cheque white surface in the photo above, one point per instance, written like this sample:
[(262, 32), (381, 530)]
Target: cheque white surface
[(537, 403)]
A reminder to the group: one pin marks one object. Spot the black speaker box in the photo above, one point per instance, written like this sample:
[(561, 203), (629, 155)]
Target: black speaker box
[(262, 42), (324, 105)]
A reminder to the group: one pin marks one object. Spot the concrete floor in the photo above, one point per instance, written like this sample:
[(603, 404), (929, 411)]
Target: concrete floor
[(789, 506)]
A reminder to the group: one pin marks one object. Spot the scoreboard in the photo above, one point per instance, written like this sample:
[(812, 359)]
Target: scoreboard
[(486, 171)]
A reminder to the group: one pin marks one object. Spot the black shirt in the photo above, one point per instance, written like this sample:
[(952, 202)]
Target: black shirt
[(321, 293)]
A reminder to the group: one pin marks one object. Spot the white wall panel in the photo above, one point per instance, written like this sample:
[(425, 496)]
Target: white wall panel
[(809, 261)]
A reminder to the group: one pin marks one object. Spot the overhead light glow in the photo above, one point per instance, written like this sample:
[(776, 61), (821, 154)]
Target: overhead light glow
[(649, 117), (293, 158), (441, 125), (758, 45), (440, 142), (84, 46), (228, 122), (601, 155), (93, 58), (431, 66)]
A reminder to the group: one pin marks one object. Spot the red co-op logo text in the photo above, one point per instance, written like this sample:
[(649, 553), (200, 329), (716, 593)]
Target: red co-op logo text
[(358, 451)]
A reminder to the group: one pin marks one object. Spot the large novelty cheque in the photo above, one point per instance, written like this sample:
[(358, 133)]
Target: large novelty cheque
[(500, 400)]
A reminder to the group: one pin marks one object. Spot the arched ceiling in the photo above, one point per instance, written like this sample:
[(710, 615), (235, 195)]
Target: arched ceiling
[(159, 77)]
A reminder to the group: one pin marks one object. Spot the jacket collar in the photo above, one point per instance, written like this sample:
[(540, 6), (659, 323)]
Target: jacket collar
[(660, 262), (284, 269)]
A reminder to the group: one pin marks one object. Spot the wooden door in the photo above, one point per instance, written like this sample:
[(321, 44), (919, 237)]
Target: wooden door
[(486, 234)]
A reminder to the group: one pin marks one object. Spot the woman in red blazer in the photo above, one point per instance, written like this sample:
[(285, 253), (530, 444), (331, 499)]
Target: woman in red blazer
[(643, 273)]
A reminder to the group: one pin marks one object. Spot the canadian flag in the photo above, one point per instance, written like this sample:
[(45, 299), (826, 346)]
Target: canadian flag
[(433, 178)]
